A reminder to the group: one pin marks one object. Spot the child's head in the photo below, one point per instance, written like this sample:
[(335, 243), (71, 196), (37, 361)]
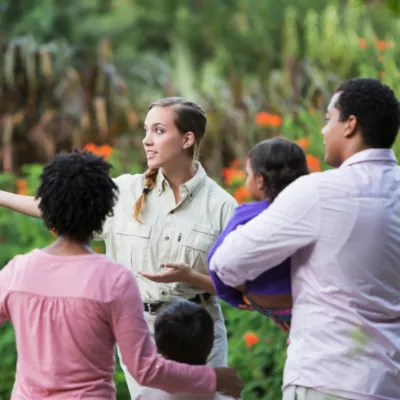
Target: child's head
[(184, 332), (76, 194), (272, 165)]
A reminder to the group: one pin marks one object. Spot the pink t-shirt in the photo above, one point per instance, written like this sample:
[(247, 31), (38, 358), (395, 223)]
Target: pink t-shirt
[(68, 312)]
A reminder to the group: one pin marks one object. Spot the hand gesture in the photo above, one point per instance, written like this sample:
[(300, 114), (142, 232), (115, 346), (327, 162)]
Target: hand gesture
[(169, 274), (229, 382)]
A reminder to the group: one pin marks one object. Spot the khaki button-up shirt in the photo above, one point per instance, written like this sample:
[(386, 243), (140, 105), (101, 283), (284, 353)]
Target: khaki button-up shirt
[(170, 232)]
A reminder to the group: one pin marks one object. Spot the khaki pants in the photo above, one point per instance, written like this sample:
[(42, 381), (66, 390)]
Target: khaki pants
[(219, 352), (302, 393)]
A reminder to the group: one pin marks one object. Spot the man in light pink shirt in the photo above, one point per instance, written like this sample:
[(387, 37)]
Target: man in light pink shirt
[(341, 229), (69, 306)]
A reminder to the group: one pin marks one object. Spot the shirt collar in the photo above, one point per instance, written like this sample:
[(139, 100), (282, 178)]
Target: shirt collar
[(384, 155), (190, 186)]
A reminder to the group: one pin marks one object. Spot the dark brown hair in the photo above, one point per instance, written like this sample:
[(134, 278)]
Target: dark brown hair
[(189, 117), (280, 162), (184, 332)]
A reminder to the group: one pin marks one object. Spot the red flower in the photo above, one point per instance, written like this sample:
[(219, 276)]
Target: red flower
[(104, 151), (22, 187), (314, 163), (304, 143), (241, 195), (251, 339), (266, 119), (232, 175)]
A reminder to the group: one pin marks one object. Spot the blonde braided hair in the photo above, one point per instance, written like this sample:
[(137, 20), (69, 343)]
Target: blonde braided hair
[(150, 178)]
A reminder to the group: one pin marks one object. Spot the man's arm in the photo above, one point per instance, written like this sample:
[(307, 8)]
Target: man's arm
[(289, 224)]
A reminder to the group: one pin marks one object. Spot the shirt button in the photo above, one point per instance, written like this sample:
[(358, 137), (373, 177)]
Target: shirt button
[(166, 238)]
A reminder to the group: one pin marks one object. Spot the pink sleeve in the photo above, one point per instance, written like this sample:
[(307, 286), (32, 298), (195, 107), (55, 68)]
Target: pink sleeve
[(4, 278), (139, 353)]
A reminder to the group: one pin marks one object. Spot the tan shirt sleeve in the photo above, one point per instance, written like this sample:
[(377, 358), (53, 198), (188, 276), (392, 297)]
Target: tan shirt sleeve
[(123, 183)]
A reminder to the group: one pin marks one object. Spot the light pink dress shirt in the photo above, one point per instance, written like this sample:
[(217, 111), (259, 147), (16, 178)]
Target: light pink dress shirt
[(68, 312), (342, 230)]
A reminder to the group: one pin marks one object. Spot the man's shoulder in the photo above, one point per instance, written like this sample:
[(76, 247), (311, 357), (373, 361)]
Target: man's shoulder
[(328, 183)]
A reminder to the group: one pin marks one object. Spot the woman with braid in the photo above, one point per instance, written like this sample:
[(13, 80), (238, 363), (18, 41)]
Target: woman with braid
[(166, 220)]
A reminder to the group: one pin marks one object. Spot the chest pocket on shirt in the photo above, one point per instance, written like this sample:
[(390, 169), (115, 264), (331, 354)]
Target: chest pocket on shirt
[(133, 244), (197, 244)]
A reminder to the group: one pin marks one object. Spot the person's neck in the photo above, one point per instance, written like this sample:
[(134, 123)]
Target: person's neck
[(65, 246), (179, 174), (351, 149)]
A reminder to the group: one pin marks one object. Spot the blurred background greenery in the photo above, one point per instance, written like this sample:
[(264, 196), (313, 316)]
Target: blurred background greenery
[(75, 74)]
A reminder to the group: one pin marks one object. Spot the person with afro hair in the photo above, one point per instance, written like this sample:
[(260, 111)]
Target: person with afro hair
[(70, 306)]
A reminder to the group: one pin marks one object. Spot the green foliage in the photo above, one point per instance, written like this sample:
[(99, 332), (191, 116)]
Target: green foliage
[(260, 366), (235, 57)]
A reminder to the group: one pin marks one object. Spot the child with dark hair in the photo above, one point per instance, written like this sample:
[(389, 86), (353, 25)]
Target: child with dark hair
[(70, 306), (271, 166), (183, 332)]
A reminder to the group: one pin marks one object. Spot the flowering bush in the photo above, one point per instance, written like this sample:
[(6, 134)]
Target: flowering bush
[(277, 85)]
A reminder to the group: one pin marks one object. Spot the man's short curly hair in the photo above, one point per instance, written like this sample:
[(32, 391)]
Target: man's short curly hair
[(76, 194), (376, 108)]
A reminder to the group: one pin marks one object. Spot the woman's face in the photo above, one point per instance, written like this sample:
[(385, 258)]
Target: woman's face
[(163, 143), (254, 183)]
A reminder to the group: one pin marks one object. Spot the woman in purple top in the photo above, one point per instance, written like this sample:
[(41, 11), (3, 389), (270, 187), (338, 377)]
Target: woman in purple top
[(271, 166)]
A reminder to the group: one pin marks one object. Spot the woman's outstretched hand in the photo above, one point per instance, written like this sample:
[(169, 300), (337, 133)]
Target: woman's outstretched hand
[(170, 273)]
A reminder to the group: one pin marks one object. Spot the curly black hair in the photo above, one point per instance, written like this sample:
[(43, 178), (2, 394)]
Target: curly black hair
[(376, 108), (76, 194), (280, 162), (184, 332)]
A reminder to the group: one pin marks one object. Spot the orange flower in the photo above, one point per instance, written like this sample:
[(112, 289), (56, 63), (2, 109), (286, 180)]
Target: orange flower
[(266, 119), (232, 175), (90, 147), (303, 142), (314, 163), (104, 151), (363, 43), (381, 45), (382, 74), (22, 187), (241, 195), (251, 339)]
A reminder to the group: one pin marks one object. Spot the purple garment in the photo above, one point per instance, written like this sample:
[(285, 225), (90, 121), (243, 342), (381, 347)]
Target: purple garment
[(272, 282)]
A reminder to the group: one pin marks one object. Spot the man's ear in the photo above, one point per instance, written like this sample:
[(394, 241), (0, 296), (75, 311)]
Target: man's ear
[(350, 126)]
